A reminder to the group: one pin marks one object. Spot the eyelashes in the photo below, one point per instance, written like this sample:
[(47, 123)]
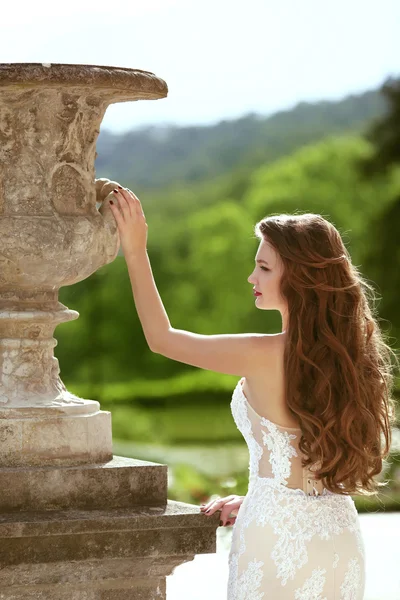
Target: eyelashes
[(265, 269)]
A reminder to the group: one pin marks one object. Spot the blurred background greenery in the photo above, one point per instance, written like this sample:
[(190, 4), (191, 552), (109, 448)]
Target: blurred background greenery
[(202, 190)]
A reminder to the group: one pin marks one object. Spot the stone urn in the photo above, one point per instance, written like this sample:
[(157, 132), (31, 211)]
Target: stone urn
[(56, 228)]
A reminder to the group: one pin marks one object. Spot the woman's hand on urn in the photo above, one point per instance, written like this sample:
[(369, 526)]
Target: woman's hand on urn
[(227, 505), (130, 219)]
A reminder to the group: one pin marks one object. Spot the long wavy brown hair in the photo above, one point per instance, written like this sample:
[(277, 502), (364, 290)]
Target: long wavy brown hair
[(339, 373)]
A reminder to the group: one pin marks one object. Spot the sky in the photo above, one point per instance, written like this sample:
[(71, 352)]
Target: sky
[(221, 59)]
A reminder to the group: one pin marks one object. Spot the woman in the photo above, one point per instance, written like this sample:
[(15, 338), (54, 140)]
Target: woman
[(313, 404)]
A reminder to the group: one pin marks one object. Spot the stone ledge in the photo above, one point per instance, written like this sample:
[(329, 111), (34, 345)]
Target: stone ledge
[(173, 514), (91, 578), (118, 483), (175, 529)]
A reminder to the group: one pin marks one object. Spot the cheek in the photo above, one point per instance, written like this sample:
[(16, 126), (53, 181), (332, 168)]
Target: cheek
[(270, 283)]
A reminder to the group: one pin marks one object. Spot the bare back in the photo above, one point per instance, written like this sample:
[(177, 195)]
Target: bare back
[(265, 391)]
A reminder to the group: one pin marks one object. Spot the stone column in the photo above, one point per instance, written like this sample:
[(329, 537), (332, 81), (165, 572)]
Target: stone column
[(56, 456)]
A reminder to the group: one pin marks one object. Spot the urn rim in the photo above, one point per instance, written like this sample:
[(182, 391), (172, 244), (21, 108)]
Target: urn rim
[(96, 76)]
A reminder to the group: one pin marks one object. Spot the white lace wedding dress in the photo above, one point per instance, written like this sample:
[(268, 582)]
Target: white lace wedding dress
[(292, 538)]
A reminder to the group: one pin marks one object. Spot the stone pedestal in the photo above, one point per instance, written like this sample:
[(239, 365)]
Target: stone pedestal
[(75, 521)]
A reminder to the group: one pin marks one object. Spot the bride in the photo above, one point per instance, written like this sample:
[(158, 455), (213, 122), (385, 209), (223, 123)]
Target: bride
[(313, 403)]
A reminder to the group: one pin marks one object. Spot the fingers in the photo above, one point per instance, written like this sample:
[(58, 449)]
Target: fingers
[(227, 506), (221, 500), (218, 503), (125, 201), (211, 504), (225, 519), (137, 202), (118, 214), (129, 201)]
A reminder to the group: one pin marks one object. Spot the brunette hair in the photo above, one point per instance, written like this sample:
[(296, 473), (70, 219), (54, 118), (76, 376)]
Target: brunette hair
[(339, 374)]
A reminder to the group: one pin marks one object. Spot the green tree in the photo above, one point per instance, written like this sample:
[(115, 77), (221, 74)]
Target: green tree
[(381, 164)]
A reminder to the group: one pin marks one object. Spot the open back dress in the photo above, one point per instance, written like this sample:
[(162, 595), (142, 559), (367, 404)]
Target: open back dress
[(292, 538)]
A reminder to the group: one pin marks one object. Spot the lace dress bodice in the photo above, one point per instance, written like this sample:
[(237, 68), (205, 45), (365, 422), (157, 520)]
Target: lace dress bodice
[(273, 449)]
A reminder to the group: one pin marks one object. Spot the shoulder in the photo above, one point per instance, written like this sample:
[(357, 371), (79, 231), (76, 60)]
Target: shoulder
[(273, 341), (269, 350)]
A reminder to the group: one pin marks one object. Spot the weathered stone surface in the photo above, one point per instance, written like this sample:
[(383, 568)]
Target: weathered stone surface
[(100, 554), (119, 483), (174, 529), (88, 573), (132, 589), (31, 439), (116, 579)]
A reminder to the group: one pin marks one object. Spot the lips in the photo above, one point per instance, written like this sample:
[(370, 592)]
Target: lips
[(257, 293)]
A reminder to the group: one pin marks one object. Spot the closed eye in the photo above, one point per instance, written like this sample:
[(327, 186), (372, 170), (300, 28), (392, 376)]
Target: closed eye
[(265, 269)]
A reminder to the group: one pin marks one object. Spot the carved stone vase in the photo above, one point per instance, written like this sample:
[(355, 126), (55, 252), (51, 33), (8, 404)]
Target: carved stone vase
[(64, 497)]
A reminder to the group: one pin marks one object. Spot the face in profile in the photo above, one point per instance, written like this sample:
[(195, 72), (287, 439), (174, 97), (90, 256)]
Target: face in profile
[(266, 278)]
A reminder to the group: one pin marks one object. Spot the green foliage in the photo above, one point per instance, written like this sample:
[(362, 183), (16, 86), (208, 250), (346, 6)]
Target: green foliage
[(322, 178), (185, 424), (384, 134), (191, 485), (132, 423), (383, 164), (153, 390)]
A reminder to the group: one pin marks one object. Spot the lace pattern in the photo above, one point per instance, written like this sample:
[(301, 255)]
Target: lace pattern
[(352, 581), (313, 587), (278, 442), (249, 582), (239, 413)]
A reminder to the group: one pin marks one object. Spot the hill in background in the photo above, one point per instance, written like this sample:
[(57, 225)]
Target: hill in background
[(158, 156)]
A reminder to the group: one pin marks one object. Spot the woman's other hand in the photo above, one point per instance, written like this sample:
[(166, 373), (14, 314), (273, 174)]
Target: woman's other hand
[(227, 505)]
